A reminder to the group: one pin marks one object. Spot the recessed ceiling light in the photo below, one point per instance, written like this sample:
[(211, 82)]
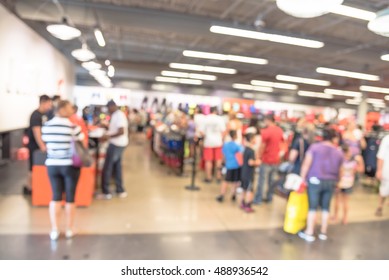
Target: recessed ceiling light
[(374, 89), (203, 68), (314, 94), (348, 74), (63, 31), (346, 93), (380, 24), (225, 57), (267, 37), (274, 85), (303, 80), (189, 75)]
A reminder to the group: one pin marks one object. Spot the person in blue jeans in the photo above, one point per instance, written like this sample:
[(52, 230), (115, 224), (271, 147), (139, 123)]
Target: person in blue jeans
[(117, 136), (269, 152), (321, 170)]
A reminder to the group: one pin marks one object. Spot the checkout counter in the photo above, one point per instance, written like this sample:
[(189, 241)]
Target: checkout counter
[(41, 188)]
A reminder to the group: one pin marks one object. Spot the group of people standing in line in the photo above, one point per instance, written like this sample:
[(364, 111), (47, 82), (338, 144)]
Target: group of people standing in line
[(53, 127), (329, 166)]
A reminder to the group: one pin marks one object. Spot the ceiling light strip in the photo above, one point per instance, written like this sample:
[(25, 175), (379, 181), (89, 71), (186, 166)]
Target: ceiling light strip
[(225, 57), (274, 85), (315, 94), (353, 12), (346, 93), (178, 80), (189, 75), (374, 89), (203, 68), (251, 87), (276, 38), (348, 74), (301, 80)]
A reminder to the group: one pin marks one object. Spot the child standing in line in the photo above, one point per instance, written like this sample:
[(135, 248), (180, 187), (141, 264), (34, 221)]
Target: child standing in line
[(232, 153), (351, 165), (247, 174)]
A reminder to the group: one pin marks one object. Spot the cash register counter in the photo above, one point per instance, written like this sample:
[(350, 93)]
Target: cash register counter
[(41, 189)]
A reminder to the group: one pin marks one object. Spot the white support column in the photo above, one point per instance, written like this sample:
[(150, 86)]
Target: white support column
[(362, 110)]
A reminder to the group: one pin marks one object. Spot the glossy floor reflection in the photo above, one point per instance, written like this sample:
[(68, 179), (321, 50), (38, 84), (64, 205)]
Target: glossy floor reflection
[(162, 220)]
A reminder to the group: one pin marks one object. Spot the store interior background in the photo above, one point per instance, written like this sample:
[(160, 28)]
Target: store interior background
[(143, 38)]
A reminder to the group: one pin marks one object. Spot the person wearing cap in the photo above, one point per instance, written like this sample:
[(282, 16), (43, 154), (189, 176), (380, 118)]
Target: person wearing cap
[(117, 135)]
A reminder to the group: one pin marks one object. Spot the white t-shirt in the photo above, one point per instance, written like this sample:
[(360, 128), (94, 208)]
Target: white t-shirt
[(118, 120), (213, 127), (383, 153), (198, 119)]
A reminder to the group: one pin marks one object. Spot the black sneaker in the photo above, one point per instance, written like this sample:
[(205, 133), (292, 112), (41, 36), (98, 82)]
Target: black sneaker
[(220, 198), (207, 181), (233, 198), (26, 190)]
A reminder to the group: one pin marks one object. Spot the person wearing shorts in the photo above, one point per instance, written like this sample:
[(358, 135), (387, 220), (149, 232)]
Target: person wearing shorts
[(58, 134), (351, 165), (321, 170), (212, 129), (247, 175), (232, 152), (383, 173)]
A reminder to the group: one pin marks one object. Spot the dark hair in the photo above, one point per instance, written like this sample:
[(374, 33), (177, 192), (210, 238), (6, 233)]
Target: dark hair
[(75, 107), (249, 137), (111, 103), (56, 97), (213, 110), (345, 148), (233, 134), (44, 98), (62, 104), (329, 134), (270, 117), (253, 122)]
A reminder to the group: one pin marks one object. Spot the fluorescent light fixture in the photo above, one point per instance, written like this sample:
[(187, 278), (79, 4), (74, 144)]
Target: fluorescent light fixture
[(380, 24), (300, 80), (348, 74), (274, 85), (267, 37), (353, 101), (111, 71), (98, 73), (387, 97), (99, 37), (347, 93), (353, 12), (375, 101), (385, 57), (307, 8), (203, 68), (83, 54), (374, 89), (225, 57), (91, 65), (178, 80), (251, 87), (314, 94), (189, 75), (63, 31)]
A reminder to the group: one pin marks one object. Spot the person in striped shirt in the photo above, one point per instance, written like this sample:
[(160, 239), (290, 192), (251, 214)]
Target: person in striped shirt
[(58, 134)]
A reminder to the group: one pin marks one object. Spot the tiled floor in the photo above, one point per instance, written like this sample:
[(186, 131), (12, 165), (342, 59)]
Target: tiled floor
[(162, 220)]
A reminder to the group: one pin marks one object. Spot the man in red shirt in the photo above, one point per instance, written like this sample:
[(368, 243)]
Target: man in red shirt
[(269, 153)]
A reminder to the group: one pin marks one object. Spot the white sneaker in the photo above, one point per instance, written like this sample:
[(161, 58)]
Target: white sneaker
[(323, 236), (103, 196), (54, 235), (306, 237), (69, 234), (122, 195)]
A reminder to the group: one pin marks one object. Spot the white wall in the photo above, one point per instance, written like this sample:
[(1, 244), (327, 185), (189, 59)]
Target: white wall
[(29, 67)]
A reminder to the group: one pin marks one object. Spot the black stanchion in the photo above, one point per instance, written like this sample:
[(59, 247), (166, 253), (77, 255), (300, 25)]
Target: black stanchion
[(192, 186)]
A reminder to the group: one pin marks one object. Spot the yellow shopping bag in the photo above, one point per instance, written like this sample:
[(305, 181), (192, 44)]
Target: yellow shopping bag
[(296, 212)]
